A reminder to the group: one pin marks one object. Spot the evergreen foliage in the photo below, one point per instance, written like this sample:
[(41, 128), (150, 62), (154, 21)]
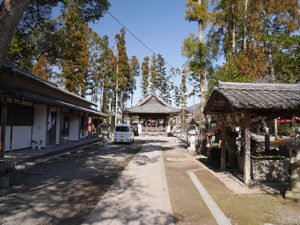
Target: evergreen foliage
[(163, 79), (42, 68), (154, 75), (145, 77), (75, 59)]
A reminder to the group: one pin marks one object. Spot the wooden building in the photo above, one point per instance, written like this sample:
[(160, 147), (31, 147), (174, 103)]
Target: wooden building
[(154, 115), (243, 104), (36, 111)]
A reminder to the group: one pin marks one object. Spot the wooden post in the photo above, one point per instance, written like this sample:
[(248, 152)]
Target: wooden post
[(223, 144), (247, 150), (3, 126)]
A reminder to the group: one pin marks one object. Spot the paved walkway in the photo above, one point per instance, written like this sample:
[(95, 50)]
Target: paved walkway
[(139, 196)]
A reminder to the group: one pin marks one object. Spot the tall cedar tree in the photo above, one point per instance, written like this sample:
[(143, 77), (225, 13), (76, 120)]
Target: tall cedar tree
[(198, 11), (183, 92), (153, 73), (258, 39), (134, 72), (42, 69), (162, 77), (145, 76), (124, 76), (75, 62), (106, 73), (94, 53)]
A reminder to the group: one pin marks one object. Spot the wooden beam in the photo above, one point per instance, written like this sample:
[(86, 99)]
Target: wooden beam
[(247, 148), (223, 144), (3, 126)]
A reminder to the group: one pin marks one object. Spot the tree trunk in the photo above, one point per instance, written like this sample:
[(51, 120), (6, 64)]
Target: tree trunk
[(201, 40), (117, 90), (116, 103), (245, 24), (233, 30), (102, 96), (11, 12), (269, 61), (122, 105), (226, 31), (202, 73)]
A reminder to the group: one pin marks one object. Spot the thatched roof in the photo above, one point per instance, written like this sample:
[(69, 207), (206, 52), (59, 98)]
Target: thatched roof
[(152, 105), (254, 98)]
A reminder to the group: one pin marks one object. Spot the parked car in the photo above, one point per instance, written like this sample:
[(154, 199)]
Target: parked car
[(124, 133)]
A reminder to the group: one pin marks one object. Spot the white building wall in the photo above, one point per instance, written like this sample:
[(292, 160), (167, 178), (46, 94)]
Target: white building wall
[(39, 129), (21, 137), (74, 128)]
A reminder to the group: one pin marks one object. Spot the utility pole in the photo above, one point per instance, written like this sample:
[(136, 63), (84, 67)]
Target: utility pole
[(117, 88)]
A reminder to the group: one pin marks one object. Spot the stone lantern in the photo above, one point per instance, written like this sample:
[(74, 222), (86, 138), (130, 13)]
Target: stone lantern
[(105, 132), (294, 147), (192, 135)]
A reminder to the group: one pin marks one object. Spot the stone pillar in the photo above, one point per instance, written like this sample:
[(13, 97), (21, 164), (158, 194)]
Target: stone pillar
[(267, 140), (105, 142), (192, 138), (223, 144), (294, 146), (168, 127), (294, 193), (276, 129), (139, 128), (247, 148)]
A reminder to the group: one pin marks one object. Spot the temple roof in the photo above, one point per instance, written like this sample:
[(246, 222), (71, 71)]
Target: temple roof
[(19, 83), (152, 105), (254, 98)]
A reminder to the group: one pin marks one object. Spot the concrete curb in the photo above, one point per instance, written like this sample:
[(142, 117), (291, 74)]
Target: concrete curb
[(54, 152), (53, 155)]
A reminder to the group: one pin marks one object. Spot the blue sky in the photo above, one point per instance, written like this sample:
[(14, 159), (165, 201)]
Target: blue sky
[(160, 24)]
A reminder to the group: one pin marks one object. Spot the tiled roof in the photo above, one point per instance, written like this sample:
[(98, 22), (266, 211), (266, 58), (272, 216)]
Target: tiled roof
[(26, 74), (152, 105), (6, 89), (253, 97)]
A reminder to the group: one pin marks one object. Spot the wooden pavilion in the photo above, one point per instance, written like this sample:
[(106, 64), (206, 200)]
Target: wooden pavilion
[(243, 104), (154, 115)]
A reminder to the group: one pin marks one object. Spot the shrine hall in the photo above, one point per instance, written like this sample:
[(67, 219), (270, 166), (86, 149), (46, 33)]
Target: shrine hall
[(153, 115)]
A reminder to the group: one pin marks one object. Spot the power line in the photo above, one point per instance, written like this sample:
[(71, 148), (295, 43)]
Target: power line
[(135, 37)]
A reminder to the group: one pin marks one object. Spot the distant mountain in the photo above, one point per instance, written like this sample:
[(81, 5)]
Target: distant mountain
[(193, 107)]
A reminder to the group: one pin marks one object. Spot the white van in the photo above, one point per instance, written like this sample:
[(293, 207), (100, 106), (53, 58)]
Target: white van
[(124, 134)]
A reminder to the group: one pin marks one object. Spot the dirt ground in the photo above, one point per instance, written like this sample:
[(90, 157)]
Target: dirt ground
[(63, 190), (187, 204), (245, 209)]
